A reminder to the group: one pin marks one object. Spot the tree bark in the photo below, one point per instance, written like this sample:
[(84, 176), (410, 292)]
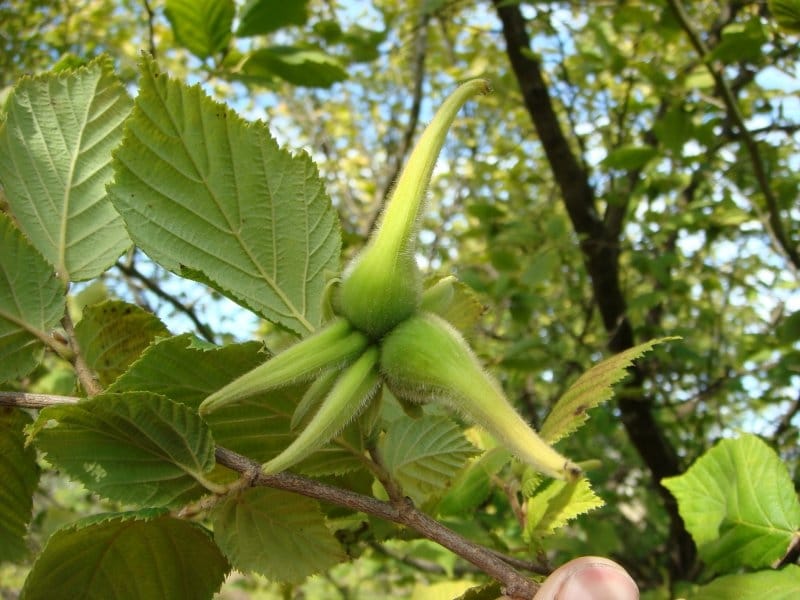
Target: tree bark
[(600, 249)]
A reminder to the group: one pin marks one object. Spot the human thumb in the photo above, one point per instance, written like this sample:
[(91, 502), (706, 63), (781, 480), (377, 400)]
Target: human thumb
[(589, 578)]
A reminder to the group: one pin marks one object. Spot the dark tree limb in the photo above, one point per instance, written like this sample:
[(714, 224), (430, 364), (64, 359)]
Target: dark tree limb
[(785, 424), (601, 257)]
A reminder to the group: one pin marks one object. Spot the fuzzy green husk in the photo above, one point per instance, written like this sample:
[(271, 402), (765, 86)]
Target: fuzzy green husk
[(334, 345), (382, 286), (424, 358), (347, 398)]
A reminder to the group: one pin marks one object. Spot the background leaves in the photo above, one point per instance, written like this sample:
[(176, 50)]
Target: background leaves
[(682, 218)]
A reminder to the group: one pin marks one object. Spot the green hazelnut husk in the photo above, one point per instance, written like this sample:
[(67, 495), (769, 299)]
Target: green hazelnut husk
[(382, 285), (425, 358)]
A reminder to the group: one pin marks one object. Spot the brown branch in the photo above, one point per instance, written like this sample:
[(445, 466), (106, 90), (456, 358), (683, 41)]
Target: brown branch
[(773, 223), (150, 33), (86, 376), (384, 478), (792, 554), (522, 564), (26, 400), (402, 512)]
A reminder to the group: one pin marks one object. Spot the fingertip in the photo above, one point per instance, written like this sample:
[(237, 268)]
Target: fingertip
[(589, 578)]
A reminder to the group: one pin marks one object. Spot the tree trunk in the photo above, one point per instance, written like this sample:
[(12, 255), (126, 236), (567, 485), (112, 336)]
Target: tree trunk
[(600, 250)]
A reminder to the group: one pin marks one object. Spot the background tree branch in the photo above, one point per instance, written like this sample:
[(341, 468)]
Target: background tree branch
[(773, 222), (601, 259), (129, 270)]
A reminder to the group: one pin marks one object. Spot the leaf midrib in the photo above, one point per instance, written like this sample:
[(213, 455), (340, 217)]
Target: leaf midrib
[(234, 230)]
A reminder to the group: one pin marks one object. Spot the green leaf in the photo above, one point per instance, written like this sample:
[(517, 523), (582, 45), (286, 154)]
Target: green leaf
[(202, 26), (134, 447), (786, 13), (201, 190), (775, 585), (265, 16), (31, 303), (487, 591), (277, 534), (112, 334), (55, 160), (259, 428), (343, 455), (738, 503), (474, 483), (128, 556), (20, 476), (592, 388), (556, 505), (462, 309), (187, 371), (299, 66), (424, 454), (629, 157), (674, 128), (740, 42)]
